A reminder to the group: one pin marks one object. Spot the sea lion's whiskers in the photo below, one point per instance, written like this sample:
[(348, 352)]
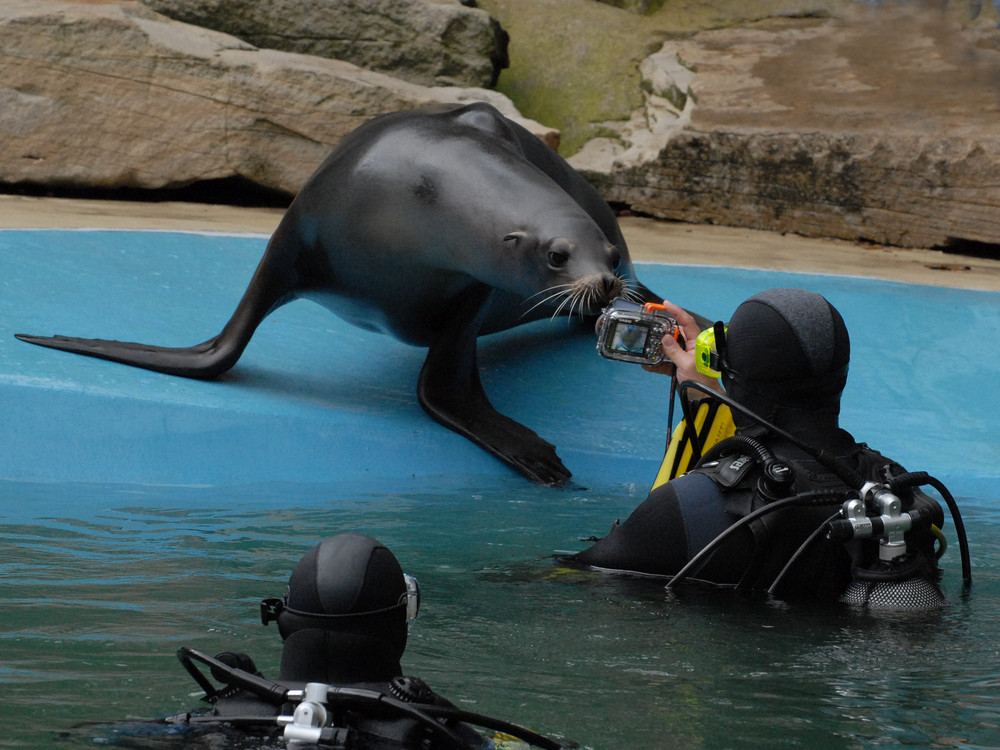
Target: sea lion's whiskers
[(568, 297), (572, 300), (632, 295), (556, 287), (582, 301), (560, 289)]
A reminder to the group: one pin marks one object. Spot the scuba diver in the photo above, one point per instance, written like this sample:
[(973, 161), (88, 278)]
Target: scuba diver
[(789, 502), (344, 621)]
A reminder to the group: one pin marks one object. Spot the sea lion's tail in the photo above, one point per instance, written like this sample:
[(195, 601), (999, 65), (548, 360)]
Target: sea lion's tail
[(270, 288)]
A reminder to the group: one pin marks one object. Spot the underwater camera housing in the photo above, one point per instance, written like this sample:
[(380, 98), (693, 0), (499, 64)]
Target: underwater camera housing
[(631, 332)]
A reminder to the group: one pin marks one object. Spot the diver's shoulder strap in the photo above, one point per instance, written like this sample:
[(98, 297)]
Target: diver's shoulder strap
[(735, 473), (713, 421)]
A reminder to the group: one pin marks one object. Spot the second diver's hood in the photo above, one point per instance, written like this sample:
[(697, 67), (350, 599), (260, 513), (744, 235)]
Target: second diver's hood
[(344, 616)]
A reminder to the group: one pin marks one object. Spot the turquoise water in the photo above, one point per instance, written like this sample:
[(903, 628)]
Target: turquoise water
[(97, 600), (139, 513)]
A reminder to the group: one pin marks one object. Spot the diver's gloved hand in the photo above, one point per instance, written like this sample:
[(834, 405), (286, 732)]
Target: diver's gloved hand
[(681, 359)]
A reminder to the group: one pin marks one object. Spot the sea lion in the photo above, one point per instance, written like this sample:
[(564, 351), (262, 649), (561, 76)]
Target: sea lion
[(434, 226)]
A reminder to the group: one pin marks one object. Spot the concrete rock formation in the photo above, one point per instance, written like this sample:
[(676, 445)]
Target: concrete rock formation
[(111, 94), (881, 125), (879, 122), (430, 42)]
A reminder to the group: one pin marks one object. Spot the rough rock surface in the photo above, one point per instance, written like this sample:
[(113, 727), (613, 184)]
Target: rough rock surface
[(105, 94), (430, 42), (884, 125)]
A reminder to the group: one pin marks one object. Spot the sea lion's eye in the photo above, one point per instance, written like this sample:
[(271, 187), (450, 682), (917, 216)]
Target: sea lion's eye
[(557, 258)]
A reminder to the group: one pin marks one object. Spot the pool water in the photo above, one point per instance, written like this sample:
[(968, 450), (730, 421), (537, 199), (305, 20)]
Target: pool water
[(141, 513), (97, 601)]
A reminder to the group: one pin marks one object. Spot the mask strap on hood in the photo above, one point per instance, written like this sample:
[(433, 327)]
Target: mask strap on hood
[(271, 608), (720, 342)]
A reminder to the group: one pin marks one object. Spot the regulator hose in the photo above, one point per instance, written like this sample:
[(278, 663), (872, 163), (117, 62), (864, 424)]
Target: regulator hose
[(820, 531), (268, 690), (760, 452), (488, 722), (812, 497), (917, 478), (845, 473), (777, 478), (277, 694)]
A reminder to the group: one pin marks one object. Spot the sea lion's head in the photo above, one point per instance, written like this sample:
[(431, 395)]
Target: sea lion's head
[(576, 273)]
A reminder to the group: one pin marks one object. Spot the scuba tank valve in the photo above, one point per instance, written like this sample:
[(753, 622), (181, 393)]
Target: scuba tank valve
[(898, 580), (305, 725), (877, 513)]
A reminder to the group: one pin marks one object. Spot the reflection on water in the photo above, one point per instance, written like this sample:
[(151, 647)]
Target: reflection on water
[(100, 586)]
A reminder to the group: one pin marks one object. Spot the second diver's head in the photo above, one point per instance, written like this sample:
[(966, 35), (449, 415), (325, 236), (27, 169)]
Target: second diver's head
[(786, 357), (345, 615)]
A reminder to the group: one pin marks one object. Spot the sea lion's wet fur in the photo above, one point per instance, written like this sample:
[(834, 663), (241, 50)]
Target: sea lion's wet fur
[(434, 226)]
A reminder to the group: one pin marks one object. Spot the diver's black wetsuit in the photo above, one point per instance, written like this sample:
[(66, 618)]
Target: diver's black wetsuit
[(364, 725), (344, 622), (680, 517), (784, 360)]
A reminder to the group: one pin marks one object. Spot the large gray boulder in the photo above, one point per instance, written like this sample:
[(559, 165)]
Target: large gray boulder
[(115, 95), (431, 42), (883, 124)]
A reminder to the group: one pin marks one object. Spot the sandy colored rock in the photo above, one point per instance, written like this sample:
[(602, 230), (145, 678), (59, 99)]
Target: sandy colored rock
[(114, 95), (430, 42), (883, 125)]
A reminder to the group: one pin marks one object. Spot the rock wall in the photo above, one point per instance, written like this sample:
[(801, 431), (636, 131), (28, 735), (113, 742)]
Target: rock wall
[(111, 94), (907, 191), (430, 42), (881, 125)]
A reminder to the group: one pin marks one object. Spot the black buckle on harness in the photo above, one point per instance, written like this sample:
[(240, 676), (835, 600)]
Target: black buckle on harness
[(270, 609), (732, 469)]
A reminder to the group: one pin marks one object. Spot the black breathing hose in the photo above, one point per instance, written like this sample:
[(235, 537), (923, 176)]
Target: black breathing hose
[(848, 475), (820, 531), (425, 714), (414, 711), (270, 691), (488, 722), (813, 497), (760, 452), (918, 478)]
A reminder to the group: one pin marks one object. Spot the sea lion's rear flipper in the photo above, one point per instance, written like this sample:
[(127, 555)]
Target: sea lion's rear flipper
[(270, 287), (450, 391), (201, 361)]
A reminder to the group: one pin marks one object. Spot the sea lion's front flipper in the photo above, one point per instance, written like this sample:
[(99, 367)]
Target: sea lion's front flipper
[(450, 391)]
